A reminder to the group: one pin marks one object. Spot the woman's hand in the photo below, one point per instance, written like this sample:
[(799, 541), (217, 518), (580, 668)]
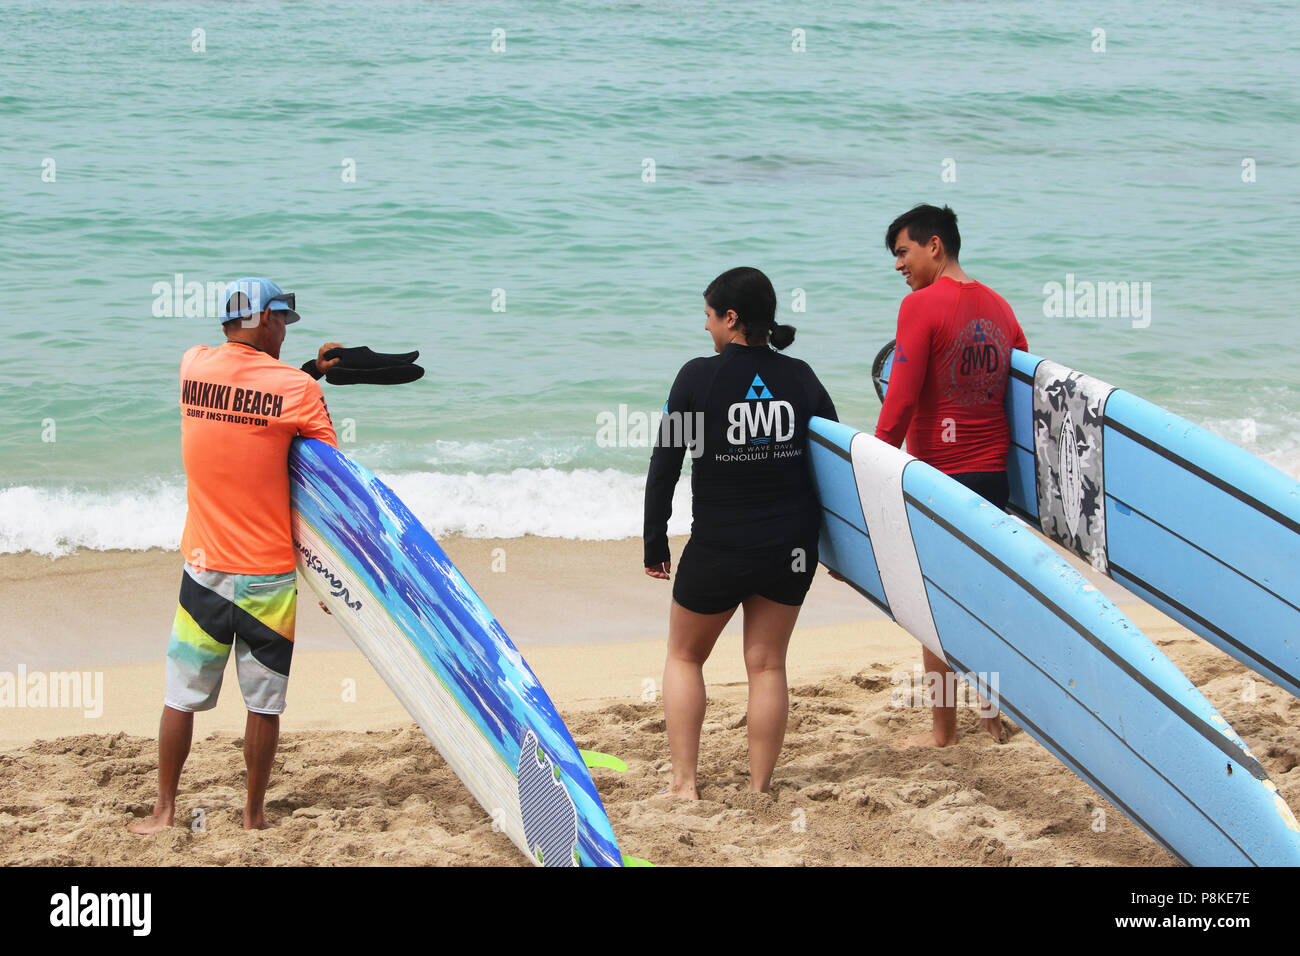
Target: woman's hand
[(660, 570)]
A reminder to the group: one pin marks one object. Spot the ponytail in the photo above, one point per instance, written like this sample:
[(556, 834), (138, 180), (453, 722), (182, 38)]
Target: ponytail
[(781, 336)]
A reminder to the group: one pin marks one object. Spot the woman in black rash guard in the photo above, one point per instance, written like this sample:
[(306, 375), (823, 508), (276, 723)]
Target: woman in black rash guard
[(755, 516)]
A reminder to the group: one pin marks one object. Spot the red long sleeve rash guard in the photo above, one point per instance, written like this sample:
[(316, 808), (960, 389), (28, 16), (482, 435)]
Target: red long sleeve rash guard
[(949, 377)]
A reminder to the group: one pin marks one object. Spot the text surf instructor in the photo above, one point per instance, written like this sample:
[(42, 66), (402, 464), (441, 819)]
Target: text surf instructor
[(755, 516), (241, 407)]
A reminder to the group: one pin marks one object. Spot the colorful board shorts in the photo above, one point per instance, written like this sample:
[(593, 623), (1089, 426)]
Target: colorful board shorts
[(254, 613)]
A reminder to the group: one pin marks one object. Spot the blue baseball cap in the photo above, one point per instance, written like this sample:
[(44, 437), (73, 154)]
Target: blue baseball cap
[(247, 297)]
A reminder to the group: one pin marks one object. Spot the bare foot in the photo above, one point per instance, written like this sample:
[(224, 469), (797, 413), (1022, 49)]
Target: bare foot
[(158, 820), (993, 727), (922, 740), (684, 792), (255, 821)]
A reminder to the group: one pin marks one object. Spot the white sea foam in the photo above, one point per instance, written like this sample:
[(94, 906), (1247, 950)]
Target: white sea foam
[(58, 521), (584, 504)]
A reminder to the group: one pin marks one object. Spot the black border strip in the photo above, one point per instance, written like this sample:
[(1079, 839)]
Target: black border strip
[(1100, 789), (827, 443), (861, 590), (1228, 748), (1032, 520), (864, 534), (1196, 547), (1226, 638), (1204, 475)]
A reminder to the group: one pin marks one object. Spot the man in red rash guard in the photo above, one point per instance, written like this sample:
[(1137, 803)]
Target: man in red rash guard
[(946, 388)]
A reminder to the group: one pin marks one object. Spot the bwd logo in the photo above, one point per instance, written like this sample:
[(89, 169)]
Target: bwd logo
[(977, 359), (760, 419), (982, 356)]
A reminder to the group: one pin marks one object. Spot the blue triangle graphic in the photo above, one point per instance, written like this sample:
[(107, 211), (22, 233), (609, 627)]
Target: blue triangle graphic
[(757, 389), (899, 356)]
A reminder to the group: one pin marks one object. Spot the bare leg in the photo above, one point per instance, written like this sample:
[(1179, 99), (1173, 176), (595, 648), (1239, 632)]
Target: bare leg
[(991, 720), (175, 730), (691, 638), (768, 626), (261, 735), (943, 711)]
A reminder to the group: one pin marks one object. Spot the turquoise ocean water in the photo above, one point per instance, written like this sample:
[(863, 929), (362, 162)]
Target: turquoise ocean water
[(539, 219)]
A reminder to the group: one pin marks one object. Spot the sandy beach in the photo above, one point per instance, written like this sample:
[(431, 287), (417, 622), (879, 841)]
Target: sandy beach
[(356, 782)]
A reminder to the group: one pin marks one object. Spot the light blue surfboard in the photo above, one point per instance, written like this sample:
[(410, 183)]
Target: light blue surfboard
[(445, 657), (1030, 633), (1189, 522)]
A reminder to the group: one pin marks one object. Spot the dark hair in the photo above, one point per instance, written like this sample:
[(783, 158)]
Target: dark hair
[(750, 295), (923, 222)]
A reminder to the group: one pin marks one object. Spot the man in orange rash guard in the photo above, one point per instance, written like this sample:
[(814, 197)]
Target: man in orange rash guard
[(240, 408), (952, 360)]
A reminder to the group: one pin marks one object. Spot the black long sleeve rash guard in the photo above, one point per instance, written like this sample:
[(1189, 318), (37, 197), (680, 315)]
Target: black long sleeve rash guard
[(744, 415)]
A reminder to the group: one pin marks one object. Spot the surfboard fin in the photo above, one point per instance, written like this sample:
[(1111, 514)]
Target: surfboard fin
[(594, 758), (635, 861), (879, 378)]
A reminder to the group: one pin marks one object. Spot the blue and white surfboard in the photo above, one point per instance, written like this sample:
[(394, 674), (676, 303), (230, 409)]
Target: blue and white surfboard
[(1194, 525), (444, 655), (1000, 606)]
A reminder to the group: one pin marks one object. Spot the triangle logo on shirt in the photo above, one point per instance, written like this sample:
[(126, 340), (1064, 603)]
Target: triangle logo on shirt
[(758, 390), (899, 356)]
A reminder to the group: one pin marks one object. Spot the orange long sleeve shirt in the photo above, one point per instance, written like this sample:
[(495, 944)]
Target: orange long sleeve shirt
[(240, 409)]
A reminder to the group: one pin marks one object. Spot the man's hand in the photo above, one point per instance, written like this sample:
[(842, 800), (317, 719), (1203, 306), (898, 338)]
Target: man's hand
[(323, 364), (660, 570)]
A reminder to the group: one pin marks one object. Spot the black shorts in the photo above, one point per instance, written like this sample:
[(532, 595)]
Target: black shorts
[(990, 485), (711, 580)]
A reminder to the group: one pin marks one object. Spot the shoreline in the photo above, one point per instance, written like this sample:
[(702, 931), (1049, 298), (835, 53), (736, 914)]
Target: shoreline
[(544, 591)]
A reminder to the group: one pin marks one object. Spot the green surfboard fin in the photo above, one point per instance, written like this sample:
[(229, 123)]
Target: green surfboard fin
[(594, 758), (635, 861)]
